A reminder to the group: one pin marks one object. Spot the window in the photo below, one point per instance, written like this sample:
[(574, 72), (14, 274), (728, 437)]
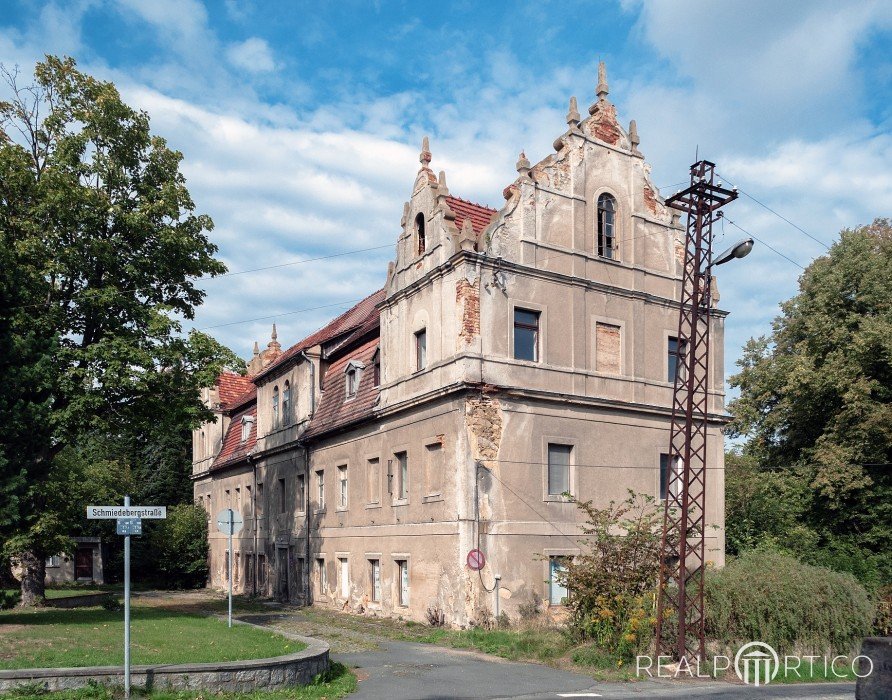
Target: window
[(227, 498), (375, 566), (402, 567), (247, 422), (558, 469), (275, 407), (557, 593), (352, 381), (320, 489), (342, 487), (238, 499), (675, 359), (376, 373), (526, 335), (420, 242), (373, 470), (248, 500), (607, 226), (344, 575), (665, 476), (607, 348), (301, 492), (433, 468), (321, 577), (286, 404), (259, 504), (53, 561), (402, 475), (421, 350), (283, 497)]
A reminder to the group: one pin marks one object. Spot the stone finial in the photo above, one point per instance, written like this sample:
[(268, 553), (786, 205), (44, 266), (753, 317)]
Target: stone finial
[(441, 183), (602, 90), (274, 341), (425, 156), (523, 164), (573, 113), (256, 348), (467, 239), (633, 135)]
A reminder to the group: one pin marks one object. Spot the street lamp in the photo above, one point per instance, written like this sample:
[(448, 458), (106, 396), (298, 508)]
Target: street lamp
[(738, 250)]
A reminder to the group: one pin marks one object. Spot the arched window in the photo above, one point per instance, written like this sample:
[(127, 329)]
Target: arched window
[(607, 226), (286, 403), (419, 233), (275, 407)]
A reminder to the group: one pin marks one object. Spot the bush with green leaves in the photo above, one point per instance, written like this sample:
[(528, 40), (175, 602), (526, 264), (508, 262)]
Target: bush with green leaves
[(613, 580), (178, 547), (796, 608)]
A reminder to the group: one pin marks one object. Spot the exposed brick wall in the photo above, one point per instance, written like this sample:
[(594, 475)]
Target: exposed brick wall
[(607, 348), (602, 124), (650, 200), (467, 296)]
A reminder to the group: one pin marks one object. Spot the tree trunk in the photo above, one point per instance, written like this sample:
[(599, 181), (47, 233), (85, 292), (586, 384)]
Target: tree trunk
[(33, 575)]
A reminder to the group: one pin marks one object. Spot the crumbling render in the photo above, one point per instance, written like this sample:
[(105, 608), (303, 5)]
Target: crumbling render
[(467, 296), (483, 417)]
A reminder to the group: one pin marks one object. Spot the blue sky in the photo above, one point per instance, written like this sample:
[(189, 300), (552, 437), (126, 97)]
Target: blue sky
[(300, 123)]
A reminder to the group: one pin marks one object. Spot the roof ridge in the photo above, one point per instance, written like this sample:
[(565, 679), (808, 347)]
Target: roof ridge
[(468, 201)]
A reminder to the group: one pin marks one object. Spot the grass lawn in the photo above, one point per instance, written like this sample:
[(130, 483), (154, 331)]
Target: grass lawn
[(338, 682), (54, 638)]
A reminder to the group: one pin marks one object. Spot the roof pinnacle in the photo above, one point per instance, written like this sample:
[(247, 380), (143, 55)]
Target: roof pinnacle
[(425, 156), (573, 113), (523, 163), (633, 135), (601, 91)]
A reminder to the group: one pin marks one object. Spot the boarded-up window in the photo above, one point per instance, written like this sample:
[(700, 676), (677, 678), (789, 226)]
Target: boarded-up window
[(433, 468), (607, 348)]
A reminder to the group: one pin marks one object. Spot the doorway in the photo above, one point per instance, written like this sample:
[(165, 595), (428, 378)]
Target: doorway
[(282, 571), (83, 564)]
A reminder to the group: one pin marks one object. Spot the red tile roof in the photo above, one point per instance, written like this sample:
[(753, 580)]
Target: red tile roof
[(233, 448), (479, 214), (362, 316), (335, 408), (232, 385)]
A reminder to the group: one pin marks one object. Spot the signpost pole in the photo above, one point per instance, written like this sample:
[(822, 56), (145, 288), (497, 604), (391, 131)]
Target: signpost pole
[(127, 609), (231, 528)]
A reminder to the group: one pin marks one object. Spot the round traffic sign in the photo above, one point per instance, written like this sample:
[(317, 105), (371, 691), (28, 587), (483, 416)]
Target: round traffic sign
[(229, 521), (476, 560)]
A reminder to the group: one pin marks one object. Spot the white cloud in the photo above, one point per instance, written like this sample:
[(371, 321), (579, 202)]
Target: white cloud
[(253, 55)]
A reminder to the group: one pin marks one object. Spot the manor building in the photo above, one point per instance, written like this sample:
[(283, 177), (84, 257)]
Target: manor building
[(513, 355)]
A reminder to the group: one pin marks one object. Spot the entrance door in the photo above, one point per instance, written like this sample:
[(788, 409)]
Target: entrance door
[(83, 564), (282, 566)]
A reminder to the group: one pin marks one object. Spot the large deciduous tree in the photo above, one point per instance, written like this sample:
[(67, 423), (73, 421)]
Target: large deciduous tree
[(816, 402), (101, 249)]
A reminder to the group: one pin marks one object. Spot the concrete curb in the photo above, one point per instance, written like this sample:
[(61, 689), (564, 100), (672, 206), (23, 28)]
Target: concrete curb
[(240, 676)]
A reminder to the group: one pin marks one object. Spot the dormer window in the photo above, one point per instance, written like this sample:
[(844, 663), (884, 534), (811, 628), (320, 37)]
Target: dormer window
[(353, 374), (420, 242), (247, 422), (607, 226), (275, 407)]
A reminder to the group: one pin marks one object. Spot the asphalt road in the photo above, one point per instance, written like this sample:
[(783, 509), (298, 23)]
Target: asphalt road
[(407, 671)]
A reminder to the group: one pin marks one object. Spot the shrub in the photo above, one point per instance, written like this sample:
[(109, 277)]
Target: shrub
[(531, 609), (613, 580), (435, 617), (9, 598), (178, 547), (794, 607)]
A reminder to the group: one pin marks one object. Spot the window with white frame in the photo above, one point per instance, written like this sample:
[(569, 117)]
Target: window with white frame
[(557, 591), (402, 475), (402, 567), (559, 469), (375, 574), (320, 489), (342, 486), (247, 422)]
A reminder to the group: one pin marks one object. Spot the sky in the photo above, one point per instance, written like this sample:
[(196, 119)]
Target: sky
[(300, 123)]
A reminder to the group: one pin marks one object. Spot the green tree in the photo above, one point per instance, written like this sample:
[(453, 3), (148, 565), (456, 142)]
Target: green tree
[(816, 400), (179, 546), (106, 248)]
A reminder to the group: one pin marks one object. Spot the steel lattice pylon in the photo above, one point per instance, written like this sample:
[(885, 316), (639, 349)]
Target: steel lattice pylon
[(683, 553)]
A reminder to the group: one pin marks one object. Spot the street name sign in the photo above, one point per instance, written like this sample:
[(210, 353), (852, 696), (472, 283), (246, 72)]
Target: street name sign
[(114, 512)]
